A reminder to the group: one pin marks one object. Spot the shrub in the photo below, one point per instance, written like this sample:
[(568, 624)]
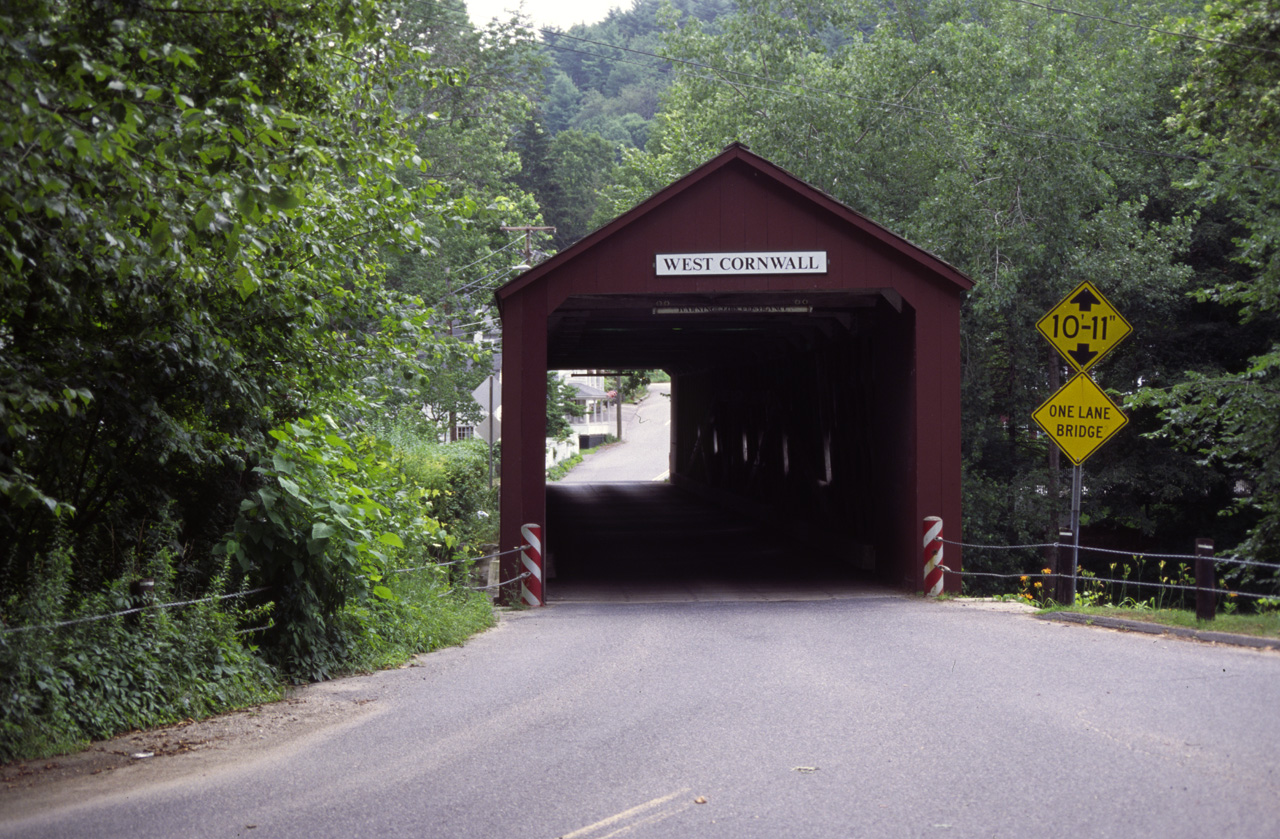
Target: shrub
[(61, 685), (321, 531), (340, 527), (457, 475)]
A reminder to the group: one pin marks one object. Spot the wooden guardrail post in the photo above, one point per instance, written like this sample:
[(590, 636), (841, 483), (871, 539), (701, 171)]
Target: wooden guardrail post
[(1063, 584), (1206, 599)]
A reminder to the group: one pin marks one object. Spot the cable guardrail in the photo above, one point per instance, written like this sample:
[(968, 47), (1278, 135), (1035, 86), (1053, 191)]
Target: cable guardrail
[(501, 584), (1134, 554), (218, 597), (135, 610), (459, 561), (1092, 579), (1095, 579)]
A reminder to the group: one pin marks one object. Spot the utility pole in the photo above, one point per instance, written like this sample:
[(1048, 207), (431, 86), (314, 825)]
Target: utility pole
[(448, 310), (528, 230)]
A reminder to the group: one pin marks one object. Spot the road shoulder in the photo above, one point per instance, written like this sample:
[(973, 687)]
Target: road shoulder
[(1183, 632)]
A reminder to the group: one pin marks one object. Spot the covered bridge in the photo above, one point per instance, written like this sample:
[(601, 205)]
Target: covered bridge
[(814, 356)]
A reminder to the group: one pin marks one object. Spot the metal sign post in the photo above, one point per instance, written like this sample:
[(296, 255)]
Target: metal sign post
[(1077, 486)]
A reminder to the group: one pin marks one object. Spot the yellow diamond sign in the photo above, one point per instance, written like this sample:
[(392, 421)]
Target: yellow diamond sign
[(1084, 327), (1080, 418)]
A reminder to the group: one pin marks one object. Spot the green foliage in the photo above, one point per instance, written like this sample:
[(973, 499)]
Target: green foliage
[(602, 75), (562, 103), (457, 476), (195, 201), (635, 384), (1262, 625), (999, 511), (564, 467), (197, 207), (434, 392), (566, 173), (602, 87), (321, 532), (560, 406), (1228, 414), (61, 686), (425, 615), (561, 468), (462, 131)]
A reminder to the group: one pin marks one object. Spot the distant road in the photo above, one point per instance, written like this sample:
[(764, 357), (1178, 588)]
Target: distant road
[(643, 453)]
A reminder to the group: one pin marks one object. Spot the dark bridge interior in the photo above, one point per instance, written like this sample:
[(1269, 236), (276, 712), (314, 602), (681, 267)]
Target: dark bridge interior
[(788, 437)]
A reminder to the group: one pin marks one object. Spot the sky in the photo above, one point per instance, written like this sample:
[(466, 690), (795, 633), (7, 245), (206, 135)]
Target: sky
[(560, 13)]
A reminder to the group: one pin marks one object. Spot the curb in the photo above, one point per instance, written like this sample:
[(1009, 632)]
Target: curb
[(1124, 625)]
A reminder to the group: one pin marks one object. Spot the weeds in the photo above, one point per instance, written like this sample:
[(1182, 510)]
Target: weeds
[(62, 684)]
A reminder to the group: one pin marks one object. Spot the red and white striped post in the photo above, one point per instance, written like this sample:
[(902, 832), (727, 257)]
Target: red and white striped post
[(932, 556), (531, 559)]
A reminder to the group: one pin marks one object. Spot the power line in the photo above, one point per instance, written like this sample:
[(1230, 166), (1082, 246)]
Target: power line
[(491, 254), (498, 274), (465, 326)]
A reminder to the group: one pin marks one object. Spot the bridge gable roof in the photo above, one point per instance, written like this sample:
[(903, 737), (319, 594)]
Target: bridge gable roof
[(737, 202)]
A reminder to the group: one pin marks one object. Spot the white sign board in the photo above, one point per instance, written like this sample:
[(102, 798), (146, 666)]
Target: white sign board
[(749, 262)]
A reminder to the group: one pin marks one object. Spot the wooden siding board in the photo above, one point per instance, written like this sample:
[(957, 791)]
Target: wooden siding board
[(742, 219), (524, 396)]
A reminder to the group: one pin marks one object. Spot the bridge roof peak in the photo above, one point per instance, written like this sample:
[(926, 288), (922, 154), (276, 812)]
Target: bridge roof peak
[(737, 201)]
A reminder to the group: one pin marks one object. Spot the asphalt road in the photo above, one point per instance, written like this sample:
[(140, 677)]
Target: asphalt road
[(870, 715), (643, 453)]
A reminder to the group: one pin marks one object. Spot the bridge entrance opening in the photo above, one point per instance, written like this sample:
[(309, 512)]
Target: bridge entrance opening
[(783, 447), (814, 359)]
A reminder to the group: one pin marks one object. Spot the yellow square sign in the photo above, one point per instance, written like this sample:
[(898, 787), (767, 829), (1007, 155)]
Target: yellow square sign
[(1084, 327), (1080, 417)]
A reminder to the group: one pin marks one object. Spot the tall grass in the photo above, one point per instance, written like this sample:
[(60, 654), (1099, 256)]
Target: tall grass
[(64, 685)]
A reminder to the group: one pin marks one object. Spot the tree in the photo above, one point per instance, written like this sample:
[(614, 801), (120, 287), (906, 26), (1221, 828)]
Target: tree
[(581, 163), (464, 138), (195, 200), (1229, 111), (560, 406), (611, 72), (562, 104)]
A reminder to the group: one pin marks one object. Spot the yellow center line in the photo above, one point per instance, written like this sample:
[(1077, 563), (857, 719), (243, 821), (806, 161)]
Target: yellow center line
[(623, 816), (656, 817)]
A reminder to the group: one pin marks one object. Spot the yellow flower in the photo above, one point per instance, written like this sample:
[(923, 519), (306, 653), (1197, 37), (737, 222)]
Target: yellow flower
[(1046, 570), (1039, 585), (1024, 578)]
